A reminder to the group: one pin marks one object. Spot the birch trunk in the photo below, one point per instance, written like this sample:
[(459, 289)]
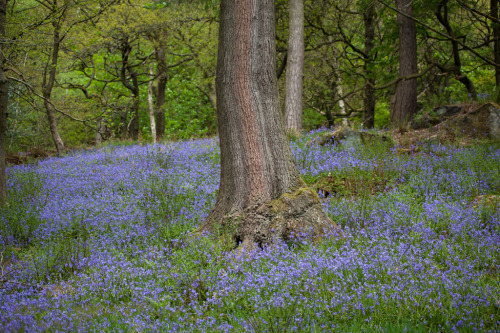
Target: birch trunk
[(338, 86), (151, 104)]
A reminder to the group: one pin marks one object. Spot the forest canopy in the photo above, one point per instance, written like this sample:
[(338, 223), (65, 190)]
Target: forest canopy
[(82, 71)]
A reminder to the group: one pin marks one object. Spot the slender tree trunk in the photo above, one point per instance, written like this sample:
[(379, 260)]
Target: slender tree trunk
[(342, 109), (49, 80), (329, 117), (405, 103), (337, 86), (51, 116), (100, 129), (496, 43), (442, 16), (133, 127), (151, 104), (369, 16), (261, 194), (160, 94), (295, 67), (124, 119), (4, 94)]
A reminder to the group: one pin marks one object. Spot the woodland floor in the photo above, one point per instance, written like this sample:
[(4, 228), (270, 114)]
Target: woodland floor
[(101, 240)]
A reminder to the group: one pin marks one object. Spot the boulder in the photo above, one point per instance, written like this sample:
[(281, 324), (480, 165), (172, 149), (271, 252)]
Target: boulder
[(439, 114), (482, 122), (447, 110)]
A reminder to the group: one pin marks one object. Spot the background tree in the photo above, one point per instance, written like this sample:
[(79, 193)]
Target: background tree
[(405, 105), (162, 75), (350, 65), (295, 67), (58, 12), (261, 193), (496, 42), (151, 105), (4, 95), (43, 36), (125, 62), (369, 17), (442, 14)]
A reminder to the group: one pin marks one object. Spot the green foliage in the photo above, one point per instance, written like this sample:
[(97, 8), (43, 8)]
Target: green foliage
[(26, 130), (187, 112), (312, 119), (382, 114), (187, 32)]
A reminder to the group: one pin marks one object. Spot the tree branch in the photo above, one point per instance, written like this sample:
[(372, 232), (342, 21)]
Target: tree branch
[(32, 90), (465, 46)]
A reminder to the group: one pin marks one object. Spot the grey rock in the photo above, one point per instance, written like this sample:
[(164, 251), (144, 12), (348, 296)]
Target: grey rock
[(447, 110), (483, 122)]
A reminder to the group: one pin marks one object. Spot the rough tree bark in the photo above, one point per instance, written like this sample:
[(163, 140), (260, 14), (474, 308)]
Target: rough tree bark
[(369, 96), (405, 103), (496, 42), (4, 94), (49, 78), (295, 67), (261, 195)]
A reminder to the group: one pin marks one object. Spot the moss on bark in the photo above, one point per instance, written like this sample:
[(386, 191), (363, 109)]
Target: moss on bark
[(293, 214)]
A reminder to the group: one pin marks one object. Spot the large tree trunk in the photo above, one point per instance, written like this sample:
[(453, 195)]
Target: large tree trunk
[(496, 43), (369, 97), (160, 94), (48, 84), (405, 104), (295, 67), (261, 195), (4, 94)]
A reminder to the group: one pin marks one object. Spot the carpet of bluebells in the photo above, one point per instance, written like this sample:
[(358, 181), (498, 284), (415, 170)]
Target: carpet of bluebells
[(102, 240)]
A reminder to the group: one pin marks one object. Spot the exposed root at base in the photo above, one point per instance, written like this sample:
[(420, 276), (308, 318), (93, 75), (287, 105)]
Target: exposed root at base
[(294, 214)]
